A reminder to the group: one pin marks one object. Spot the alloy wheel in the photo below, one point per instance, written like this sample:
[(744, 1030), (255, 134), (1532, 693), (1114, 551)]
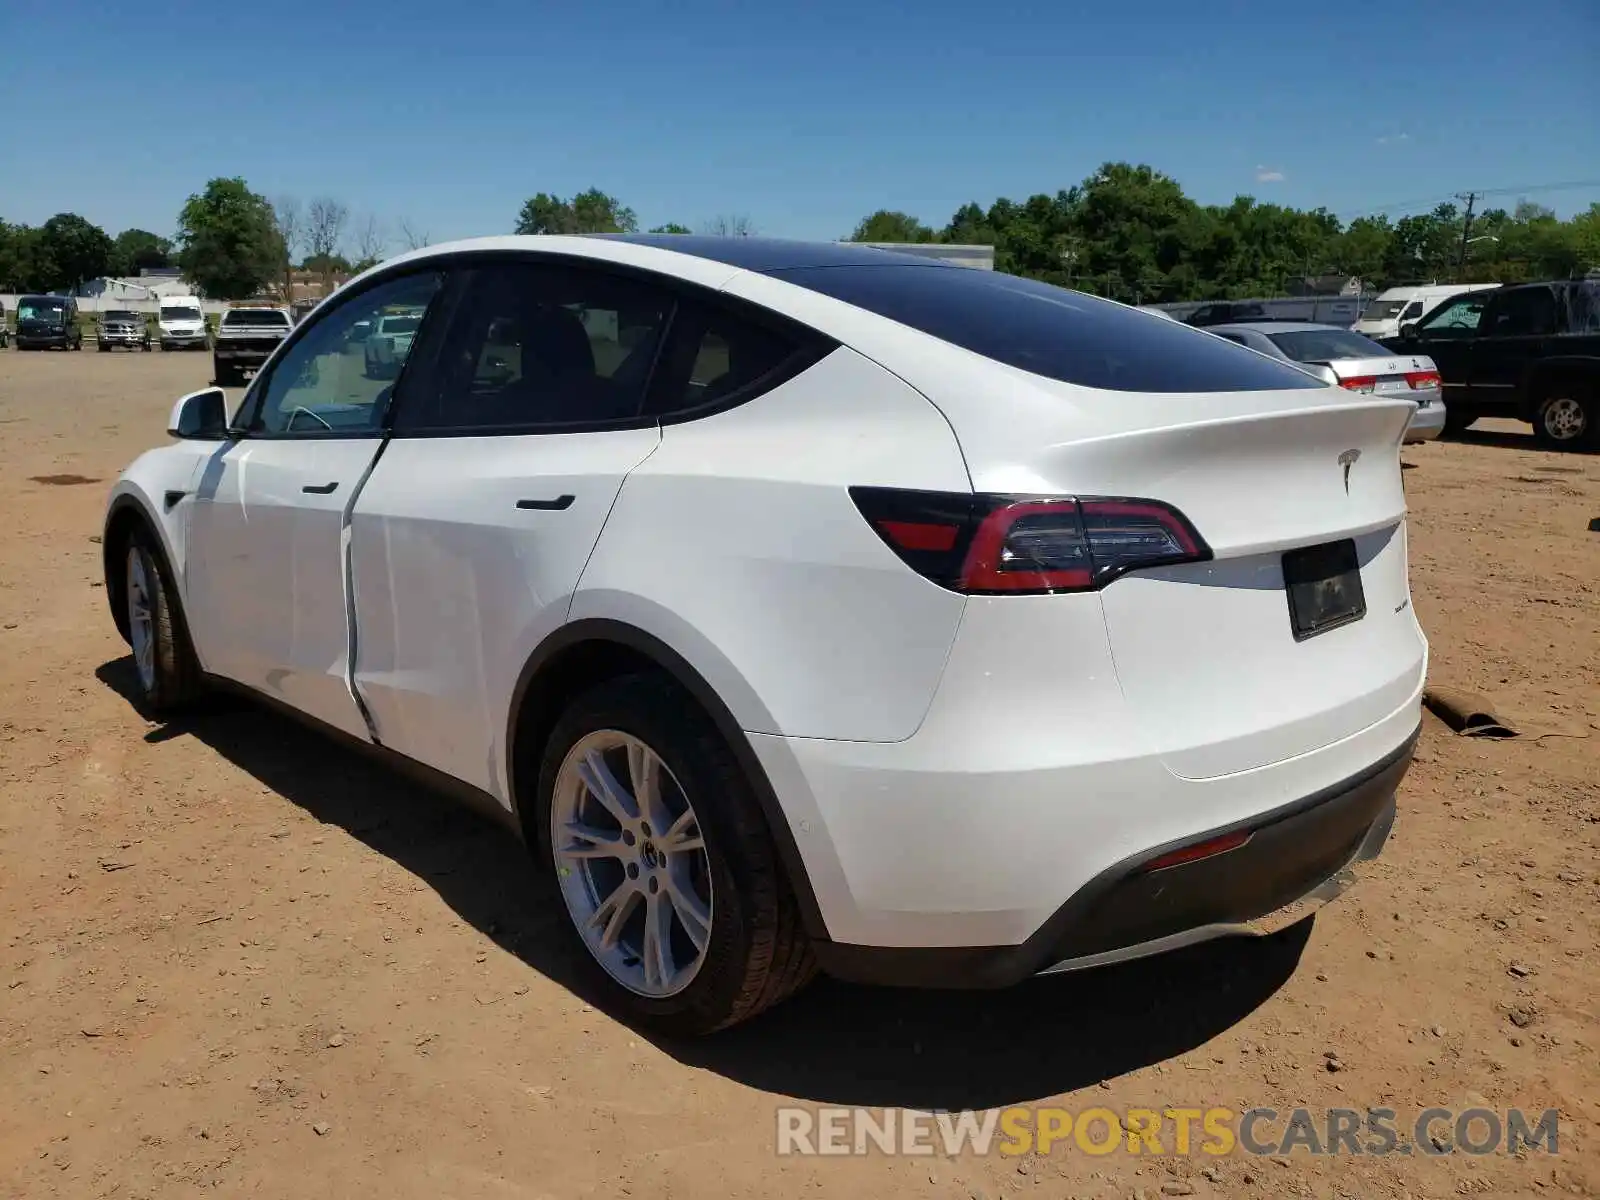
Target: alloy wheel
[(1564, 419), (631, 863), (141, 618)]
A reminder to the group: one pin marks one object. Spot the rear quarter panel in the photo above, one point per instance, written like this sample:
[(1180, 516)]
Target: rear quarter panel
[(737, 544)]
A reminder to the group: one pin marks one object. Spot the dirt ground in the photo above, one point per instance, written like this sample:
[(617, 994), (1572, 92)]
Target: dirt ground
[(238, 961)]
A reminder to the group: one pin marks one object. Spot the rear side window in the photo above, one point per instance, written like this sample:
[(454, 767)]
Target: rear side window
[(717, 358), (1050, 331), (1325, 345)]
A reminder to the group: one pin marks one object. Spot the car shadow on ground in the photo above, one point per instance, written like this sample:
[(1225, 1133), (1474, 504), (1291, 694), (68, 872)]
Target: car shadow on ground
[(834, 1043), (1504, 439)]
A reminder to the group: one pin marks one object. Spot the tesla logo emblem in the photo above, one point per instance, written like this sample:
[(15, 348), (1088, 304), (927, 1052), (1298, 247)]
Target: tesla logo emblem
[(1348, 460)]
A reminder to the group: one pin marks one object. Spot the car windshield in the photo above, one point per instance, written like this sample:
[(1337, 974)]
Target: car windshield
[(180, 314), (1049, 331), (1382, 310), (399, 324), (262, 316), (41, 310), (119, 314), (1325, 345)]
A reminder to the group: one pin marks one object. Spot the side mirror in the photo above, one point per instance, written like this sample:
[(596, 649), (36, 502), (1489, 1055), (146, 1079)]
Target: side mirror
[(200, 416), (1409, 329)]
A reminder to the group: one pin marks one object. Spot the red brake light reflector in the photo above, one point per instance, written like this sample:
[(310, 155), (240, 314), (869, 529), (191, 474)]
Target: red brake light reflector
[(1359, 383), (1206, 849), (1423, 379), (921, 535)]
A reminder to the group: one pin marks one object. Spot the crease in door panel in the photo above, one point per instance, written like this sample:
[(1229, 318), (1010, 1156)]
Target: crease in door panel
[(577, 583), (352, 638)]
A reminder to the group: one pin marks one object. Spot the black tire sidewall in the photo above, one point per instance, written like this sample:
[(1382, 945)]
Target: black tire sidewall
[(654, 711)]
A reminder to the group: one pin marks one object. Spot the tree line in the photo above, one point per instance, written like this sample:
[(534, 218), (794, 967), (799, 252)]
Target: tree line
[(230, 241), (1129, 232)]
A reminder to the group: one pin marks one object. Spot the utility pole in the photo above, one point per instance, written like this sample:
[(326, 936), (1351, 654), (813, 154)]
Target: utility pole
[(1466, 231)]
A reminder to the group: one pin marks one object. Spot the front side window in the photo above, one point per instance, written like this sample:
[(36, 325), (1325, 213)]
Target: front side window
[(1455, 318), (326, 383), (1412, 311), (540, 347)]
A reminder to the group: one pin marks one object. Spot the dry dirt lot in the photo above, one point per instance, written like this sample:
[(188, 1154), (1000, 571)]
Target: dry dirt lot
[(237, 961)]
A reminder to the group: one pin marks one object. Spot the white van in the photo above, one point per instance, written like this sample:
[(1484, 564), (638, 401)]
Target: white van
[(182, 323), (1384, 316)]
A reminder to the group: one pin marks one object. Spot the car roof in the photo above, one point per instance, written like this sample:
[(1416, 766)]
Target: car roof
[(758, 255)]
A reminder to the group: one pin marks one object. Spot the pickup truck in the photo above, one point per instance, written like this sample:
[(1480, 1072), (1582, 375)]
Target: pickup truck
[(1529, 351), (246, 337)]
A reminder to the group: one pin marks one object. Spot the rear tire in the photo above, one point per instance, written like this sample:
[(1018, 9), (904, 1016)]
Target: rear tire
[(165, 667), (1568, 417), (754, 952)]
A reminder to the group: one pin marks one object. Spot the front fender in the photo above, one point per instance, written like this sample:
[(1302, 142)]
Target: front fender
[(156, 490)]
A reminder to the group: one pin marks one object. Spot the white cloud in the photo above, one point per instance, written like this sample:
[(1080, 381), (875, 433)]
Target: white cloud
[(1269, 175), (1393, 139)]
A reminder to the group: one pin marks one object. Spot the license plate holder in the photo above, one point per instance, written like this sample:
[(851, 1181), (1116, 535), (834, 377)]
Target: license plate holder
[(1323, 584)]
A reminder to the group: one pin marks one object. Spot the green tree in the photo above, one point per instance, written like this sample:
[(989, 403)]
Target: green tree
[(69, 251), (588, 212), (16, 257), (137, 249), (887, 226), (671, 227), (229, 240)]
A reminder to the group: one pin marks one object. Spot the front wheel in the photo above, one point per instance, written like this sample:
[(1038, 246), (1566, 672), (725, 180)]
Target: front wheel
[(1566, 419), (665, 866), (164, 662)]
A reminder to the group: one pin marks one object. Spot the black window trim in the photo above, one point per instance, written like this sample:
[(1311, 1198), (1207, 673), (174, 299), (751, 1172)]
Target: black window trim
[(250, 405), (812, 345)]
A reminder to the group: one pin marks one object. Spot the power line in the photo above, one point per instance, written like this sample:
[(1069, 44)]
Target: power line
[(1522, 190)]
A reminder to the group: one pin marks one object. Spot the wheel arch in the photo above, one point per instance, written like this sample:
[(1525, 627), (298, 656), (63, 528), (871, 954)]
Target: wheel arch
[(128, 513), (1547, 372), (587, 651)]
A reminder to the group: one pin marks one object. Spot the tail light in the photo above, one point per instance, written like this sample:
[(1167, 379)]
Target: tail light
[(1423, 379), (1359, 383), (1013, 545)]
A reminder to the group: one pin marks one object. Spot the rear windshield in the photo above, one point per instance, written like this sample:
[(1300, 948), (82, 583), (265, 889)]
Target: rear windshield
[(1382, 310), (257, 317), (1050, 331), (1325, 345)]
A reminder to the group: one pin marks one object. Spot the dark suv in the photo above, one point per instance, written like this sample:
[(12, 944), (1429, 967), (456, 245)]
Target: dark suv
[(45, 321), (1530, 351)]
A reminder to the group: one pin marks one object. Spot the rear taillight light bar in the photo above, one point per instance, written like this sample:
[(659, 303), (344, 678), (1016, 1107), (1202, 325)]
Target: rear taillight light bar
[(1019, 545)]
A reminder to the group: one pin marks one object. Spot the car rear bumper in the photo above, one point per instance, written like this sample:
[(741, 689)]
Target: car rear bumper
[(1298, 857), (1426, 423)]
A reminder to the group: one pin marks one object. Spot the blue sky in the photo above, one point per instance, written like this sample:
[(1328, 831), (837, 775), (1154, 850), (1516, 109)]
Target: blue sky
[(802, 117)]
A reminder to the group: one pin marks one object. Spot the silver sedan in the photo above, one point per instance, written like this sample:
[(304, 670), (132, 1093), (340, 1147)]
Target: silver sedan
[(1349, 360)]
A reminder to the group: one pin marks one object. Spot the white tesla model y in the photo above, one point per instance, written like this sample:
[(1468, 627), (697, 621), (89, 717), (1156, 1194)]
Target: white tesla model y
[(809, 605)]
